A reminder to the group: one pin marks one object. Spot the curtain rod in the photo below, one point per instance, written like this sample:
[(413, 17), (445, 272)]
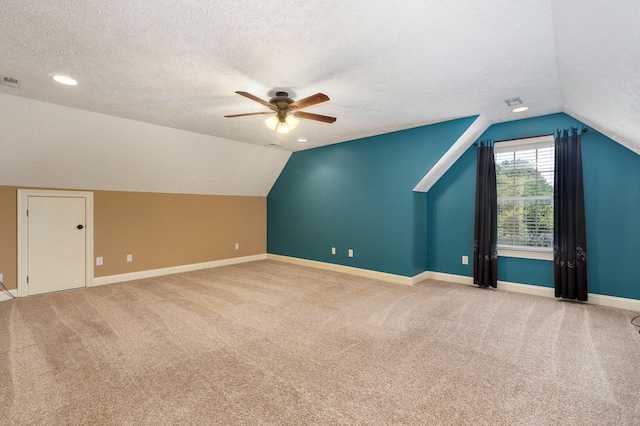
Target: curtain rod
[(584, 130)]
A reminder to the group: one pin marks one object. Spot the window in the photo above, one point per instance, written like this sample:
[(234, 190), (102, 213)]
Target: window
[(524, 179)]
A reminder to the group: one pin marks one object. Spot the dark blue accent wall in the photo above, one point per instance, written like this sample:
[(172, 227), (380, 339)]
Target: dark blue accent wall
[(612, 203), (450, 218), (359, 195)]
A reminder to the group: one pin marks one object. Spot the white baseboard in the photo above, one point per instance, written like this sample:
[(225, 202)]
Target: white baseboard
[(614, 302), (4, 296), (111, 279), (366, 273), (441, 276), (594, 299), (535, 290), (421, 277)]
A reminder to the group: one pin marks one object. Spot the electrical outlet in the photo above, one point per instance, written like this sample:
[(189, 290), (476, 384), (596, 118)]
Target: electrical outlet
[(129, 258), (333, 250), (1, 278), (350, 252), (237, 246), (465, 260), (98, 261)]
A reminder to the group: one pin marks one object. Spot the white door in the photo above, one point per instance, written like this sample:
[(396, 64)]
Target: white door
[(56, 243)]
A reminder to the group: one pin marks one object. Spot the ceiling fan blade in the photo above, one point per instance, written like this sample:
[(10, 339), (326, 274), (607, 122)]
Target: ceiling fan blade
[(249, 113), (316, 117), (311, 100), (255, 98)]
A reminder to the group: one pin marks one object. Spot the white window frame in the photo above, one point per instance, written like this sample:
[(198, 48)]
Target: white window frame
[(538, 253)]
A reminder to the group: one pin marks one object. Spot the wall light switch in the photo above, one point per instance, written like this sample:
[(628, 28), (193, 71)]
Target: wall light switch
[(350, 252), (98, 261), (237, 246), (465, 260), (129, 258)]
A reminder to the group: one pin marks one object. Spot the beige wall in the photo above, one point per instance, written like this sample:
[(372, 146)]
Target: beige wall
[(9, 235), (159, 230)]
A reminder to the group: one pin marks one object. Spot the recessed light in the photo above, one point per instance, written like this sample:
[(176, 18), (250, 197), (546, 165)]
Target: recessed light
[(302, 139), (65, 80), (520, 109)]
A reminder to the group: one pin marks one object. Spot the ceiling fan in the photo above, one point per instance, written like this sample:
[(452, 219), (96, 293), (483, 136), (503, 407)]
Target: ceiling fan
[(284, 110)]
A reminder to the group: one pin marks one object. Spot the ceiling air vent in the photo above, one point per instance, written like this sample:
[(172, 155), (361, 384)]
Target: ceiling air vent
[(11, 82), (513, 101)]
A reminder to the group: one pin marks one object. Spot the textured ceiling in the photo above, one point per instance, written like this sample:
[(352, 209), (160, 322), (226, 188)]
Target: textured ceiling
[(385, 65)]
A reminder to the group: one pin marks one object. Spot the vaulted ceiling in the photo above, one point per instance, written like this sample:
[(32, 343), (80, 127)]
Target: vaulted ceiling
[(385, 65)]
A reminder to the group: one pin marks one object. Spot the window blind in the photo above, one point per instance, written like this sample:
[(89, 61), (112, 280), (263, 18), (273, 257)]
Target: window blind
[(524, 178)]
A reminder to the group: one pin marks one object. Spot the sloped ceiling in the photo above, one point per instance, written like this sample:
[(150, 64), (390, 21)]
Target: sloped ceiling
[(598, 50), (385, 65), (43, 145)]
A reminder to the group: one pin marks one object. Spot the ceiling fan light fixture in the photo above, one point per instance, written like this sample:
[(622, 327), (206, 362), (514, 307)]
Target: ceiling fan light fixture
[(292, 122), (272, 122), (283, 128)]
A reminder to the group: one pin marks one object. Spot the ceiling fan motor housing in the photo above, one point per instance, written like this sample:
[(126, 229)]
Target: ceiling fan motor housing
[(281, 101)]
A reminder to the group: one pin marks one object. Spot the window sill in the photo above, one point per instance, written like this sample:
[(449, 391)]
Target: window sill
[(526, 253)]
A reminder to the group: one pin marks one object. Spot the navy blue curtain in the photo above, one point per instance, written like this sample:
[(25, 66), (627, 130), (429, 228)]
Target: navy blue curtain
[(569, 230), (485, 233)]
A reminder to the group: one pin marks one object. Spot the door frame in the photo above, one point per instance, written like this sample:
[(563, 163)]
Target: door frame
[(23, 254)]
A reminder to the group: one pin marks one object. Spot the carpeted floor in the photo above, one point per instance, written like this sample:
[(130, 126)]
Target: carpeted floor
[(273, 343)]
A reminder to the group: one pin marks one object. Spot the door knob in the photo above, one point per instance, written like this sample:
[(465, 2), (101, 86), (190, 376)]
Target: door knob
[(79, 226)]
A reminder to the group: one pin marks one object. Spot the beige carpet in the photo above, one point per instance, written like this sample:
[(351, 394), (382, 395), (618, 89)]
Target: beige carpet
[(272, 343)]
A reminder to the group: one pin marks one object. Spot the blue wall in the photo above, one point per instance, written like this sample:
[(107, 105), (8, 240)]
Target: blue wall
[(612, 203), (359, 195)]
